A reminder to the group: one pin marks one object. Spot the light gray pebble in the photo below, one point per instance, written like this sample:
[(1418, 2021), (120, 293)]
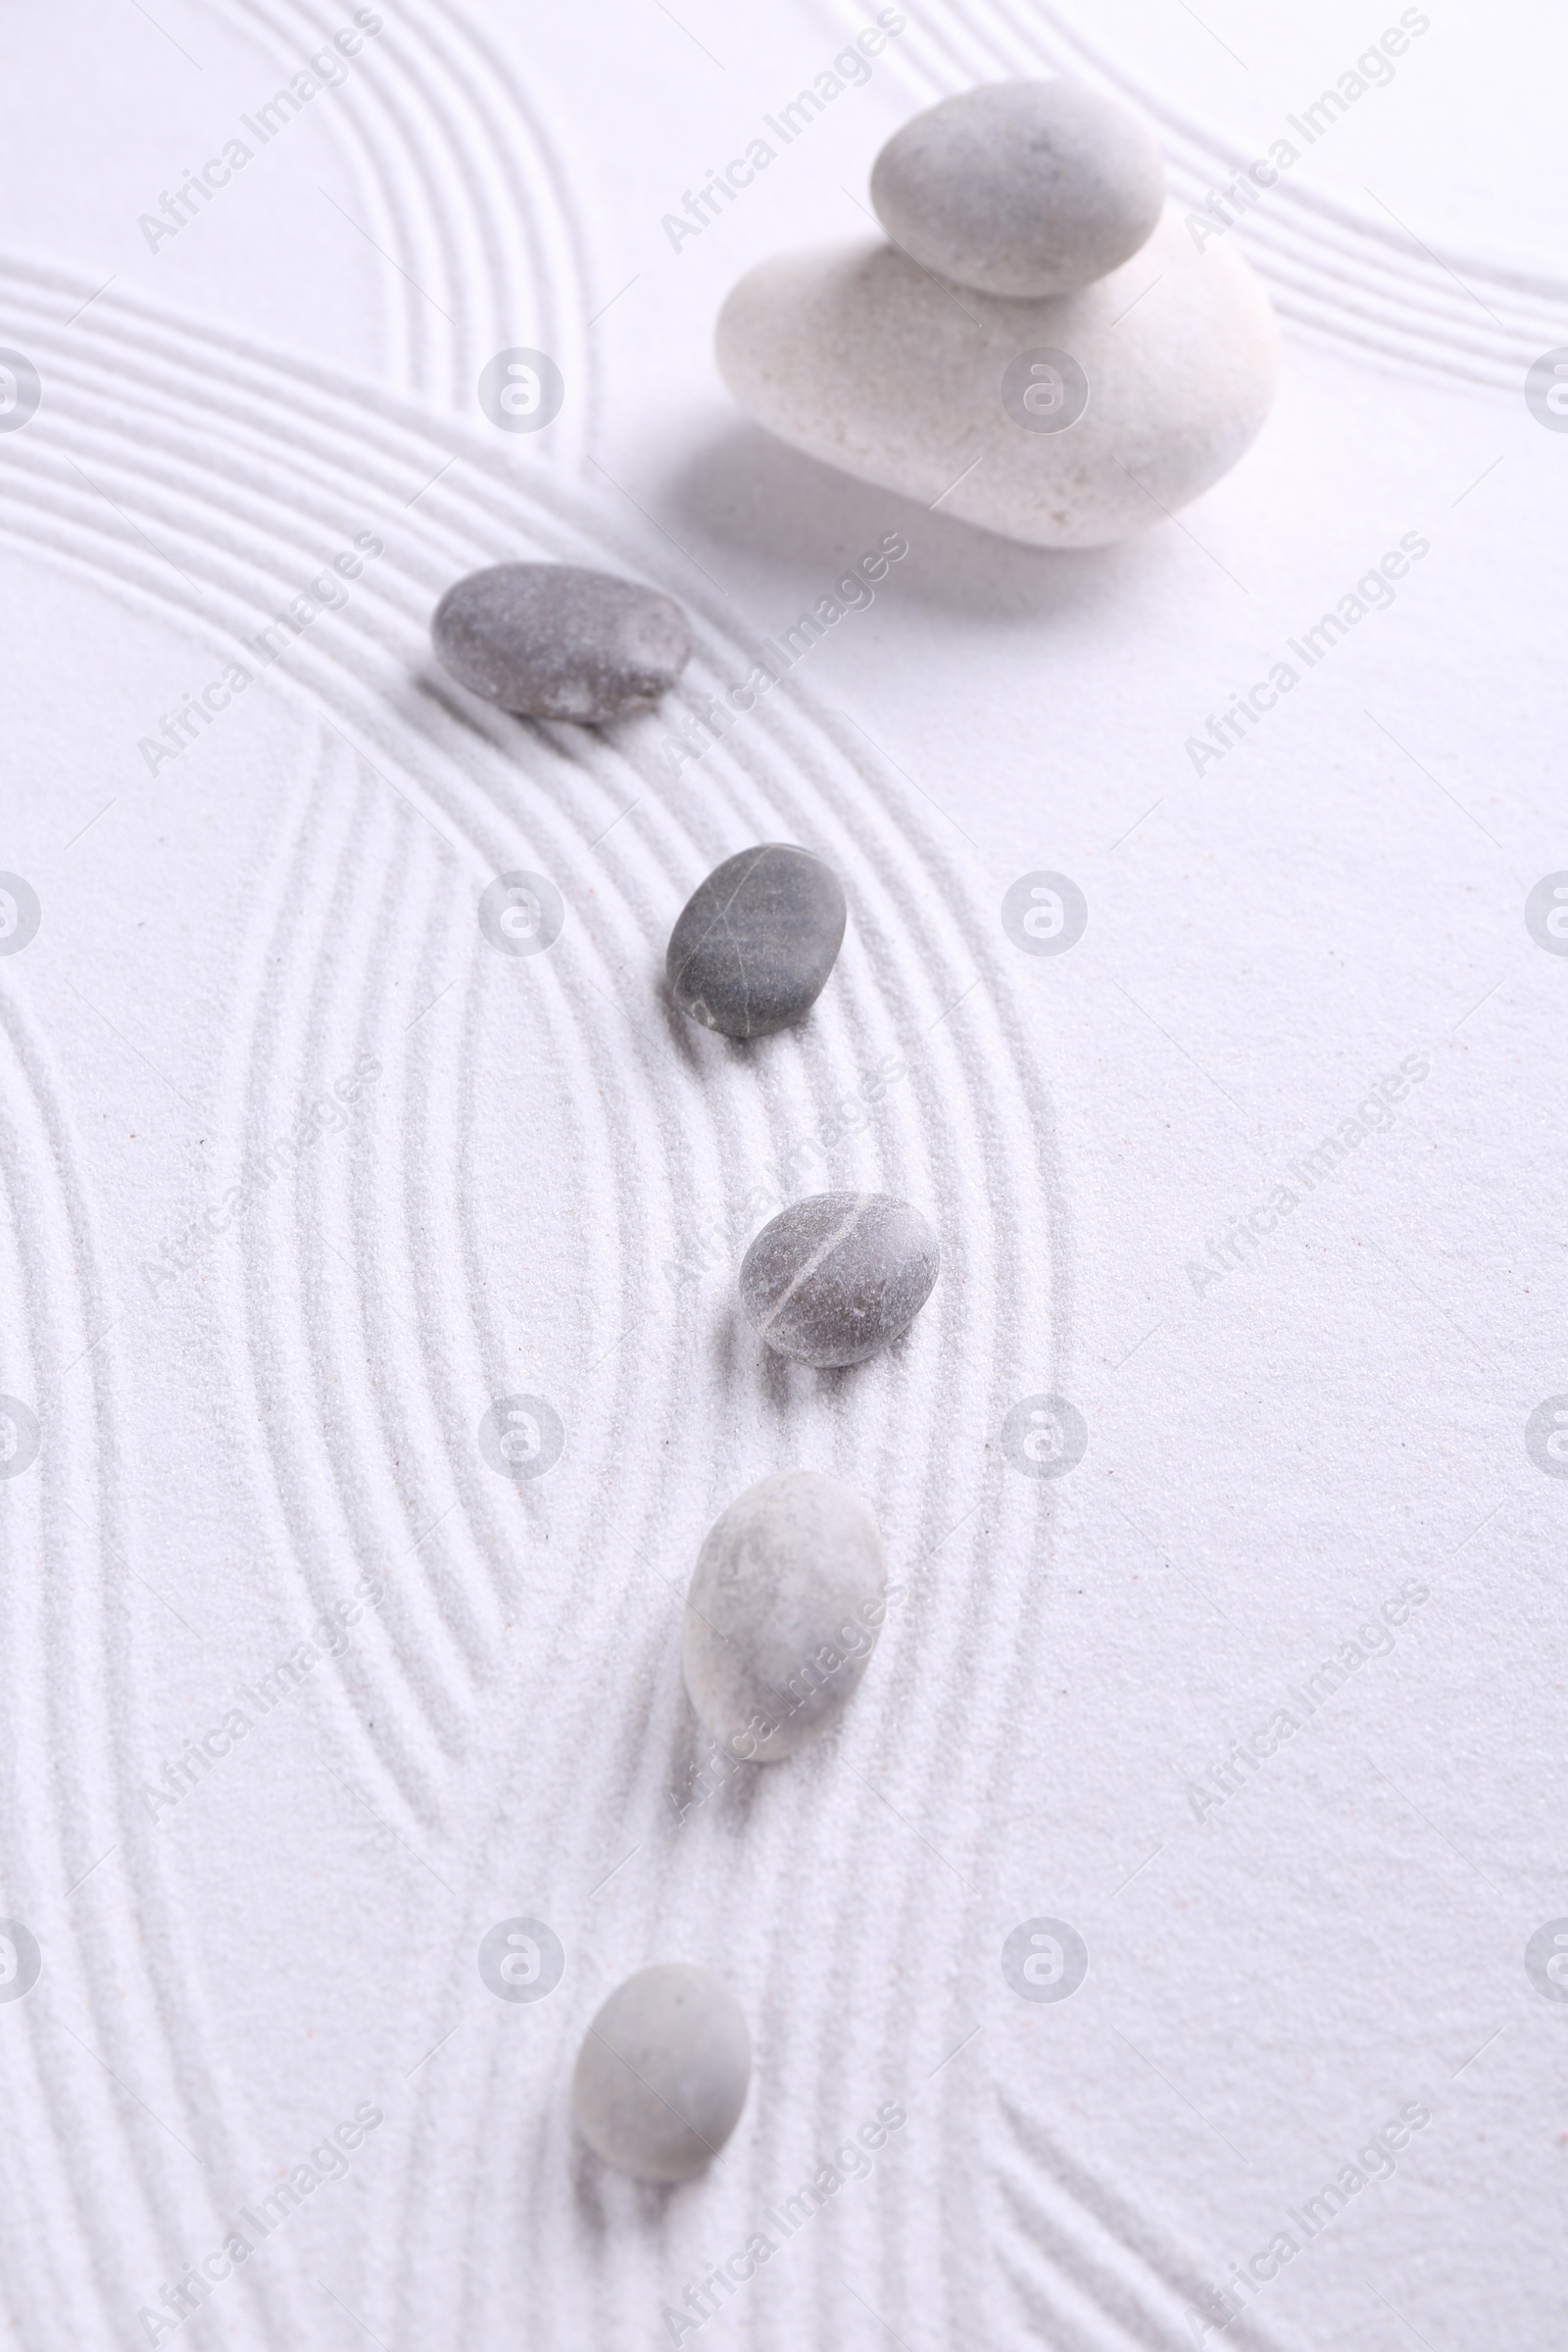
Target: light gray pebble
[(1020, 189), (551, 640), (662, 2073), (833, 1277), (785, 1605), (754, 945)]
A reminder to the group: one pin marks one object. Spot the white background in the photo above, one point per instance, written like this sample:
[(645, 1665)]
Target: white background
[(228, 1450)]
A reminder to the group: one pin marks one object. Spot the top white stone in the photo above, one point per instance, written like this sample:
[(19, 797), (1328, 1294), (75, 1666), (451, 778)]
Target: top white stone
[(1020, 189)]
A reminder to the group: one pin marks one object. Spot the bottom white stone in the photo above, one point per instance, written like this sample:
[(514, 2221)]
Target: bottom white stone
[(855, 355)]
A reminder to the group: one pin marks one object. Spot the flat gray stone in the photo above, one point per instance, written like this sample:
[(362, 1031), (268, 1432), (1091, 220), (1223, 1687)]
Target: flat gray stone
[(833, 1277), (662, 2073), (785, 1605), (755, 943), (1020, 189), (549, 641)]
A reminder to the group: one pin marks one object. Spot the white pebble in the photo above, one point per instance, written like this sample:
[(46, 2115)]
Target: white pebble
[(662, 2073), (853, 354), (785, 1605)]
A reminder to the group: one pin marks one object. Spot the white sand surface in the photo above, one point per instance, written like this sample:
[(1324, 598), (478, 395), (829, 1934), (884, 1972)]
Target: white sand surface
[(300, 1176)]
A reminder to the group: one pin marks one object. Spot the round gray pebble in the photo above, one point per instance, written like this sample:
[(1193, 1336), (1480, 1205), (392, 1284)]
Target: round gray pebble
[(786, 1603), (662, 2073), (549, 641), (755, 943), (1021, 187), (832, 1279)]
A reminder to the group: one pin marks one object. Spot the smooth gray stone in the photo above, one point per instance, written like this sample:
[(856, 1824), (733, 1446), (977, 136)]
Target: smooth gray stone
[(549, 641), (833, 1277), (1021, 187), (754, 945), (662, 2073), (785, 1605)]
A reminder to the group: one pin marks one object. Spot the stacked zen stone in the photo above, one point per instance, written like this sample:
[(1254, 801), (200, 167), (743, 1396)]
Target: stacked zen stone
[(1040, 346)]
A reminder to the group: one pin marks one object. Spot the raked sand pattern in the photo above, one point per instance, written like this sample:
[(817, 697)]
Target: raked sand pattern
[(553, 1607), (456, 1176)]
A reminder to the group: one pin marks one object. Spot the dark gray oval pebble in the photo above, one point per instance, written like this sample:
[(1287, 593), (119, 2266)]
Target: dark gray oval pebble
[(549, 641), (755, 943), (834, 1277)]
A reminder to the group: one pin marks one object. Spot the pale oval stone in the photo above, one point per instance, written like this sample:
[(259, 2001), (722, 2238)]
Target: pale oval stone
[(785, 1605), (754, 945), (553, 641), (833, 1277), (1020, 189), (855, 355), (662, 2073)]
